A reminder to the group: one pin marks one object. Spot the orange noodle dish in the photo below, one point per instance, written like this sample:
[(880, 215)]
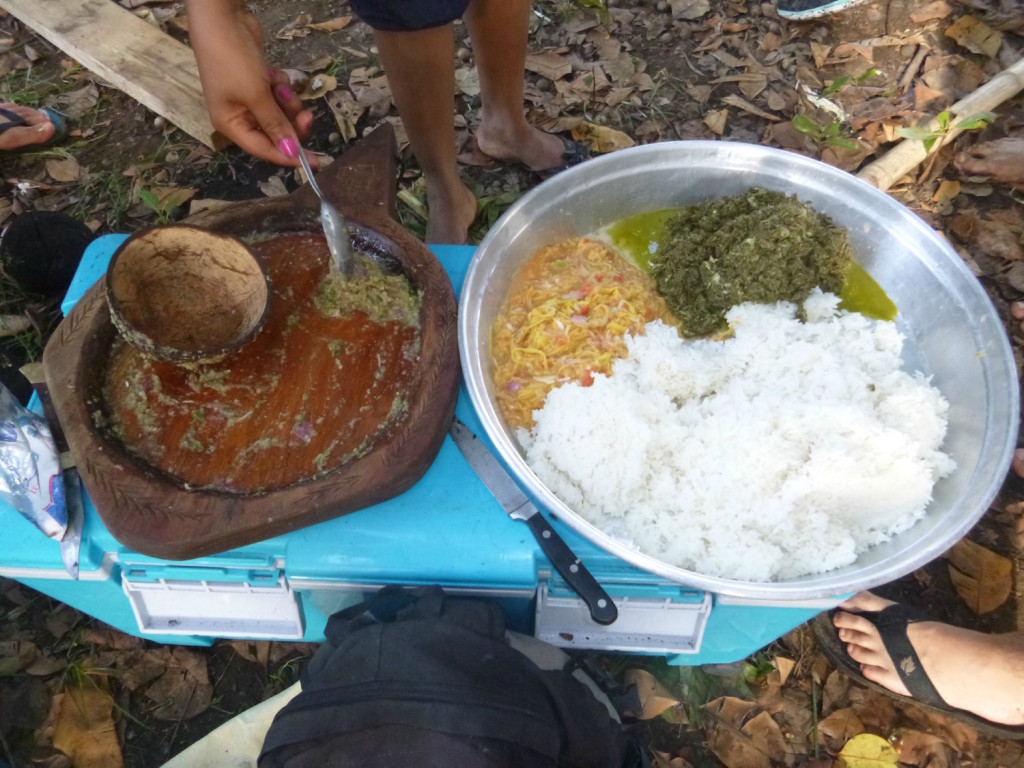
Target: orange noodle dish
[(565, 318)]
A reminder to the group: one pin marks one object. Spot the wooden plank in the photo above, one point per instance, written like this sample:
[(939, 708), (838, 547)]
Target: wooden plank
[(133, 55)]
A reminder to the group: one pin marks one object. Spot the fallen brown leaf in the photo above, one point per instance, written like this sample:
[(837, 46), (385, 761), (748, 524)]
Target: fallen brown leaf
[(318, 86), (716, 120), (689, 9), (66, 170), (783, 668), (76, 104), (946, 192), (15, 655), (746, 106), (665, 760), (975, 35), (184, 690), (346, 111), (835, 693), (962, 737), (821, 52), (766, 736), (735, 749), (45, 666), (139, 667), (982, 578), (601, 138), (549, 64), (939, 9), (929, 100), (922, 749), (84, 730), (654, 697), (875, 709), (333, 25), (297, 28), (839, 727), (272, 187)]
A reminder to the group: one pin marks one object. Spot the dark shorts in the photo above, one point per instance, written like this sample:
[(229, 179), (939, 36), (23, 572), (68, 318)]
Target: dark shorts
[(408, 15)]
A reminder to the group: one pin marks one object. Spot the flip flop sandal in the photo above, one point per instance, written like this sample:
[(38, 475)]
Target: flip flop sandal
[(14, 120), (892, 623), (573, 153)]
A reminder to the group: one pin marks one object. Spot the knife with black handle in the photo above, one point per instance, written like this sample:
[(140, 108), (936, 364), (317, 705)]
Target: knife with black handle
[(519, 507)]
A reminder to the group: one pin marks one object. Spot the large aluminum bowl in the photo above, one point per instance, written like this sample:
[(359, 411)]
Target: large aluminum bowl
[(952, 330)]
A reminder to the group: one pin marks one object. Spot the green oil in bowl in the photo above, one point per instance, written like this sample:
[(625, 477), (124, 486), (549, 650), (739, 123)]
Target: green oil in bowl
[(862, 294), (638, 237)]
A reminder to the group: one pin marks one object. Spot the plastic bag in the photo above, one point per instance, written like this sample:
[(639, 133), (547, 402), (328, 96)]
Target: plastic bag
[(30, 472)]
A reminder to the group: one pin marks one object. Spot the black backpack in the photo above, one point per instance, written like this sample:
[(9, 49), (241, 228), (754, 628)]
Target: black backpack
[(420, 678)]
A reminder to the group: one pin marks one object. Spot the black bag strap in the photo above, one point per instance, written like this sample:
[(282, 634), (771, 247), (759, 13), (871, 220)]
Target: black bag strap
[(394, 603)]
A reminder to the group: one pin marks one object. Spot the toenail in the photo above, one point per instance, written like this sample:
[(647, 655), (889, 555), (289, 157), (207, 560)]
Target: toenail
[(284, 93)]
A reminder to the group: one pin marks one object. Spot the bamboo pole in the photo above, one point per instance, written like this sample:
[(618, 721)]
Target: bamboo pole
[(904, 157)]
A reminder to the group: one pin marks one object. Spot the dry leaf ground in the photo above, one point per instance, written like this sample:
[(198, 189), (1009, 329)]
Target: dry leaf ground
[(840, 89)]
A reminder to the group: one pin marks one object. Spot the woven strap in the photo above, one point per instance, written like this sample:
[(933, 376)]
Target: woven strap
[(14, 120), (892, 623)]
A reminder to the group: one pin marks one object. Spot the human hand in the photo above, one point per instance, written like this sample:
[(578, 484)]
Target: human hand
[(250, 104)]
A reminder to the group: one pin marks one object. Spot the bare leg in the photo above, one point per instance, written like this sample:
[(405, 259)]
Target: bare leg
[(38, 128), (420, 67), (499, 29), (977, 672)]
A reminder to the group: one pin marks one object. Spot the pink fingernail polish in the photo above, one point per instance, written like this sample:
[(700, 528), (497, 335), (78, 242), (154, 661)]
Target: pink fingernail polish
[(288, 147), (271, 73), (284, 93)]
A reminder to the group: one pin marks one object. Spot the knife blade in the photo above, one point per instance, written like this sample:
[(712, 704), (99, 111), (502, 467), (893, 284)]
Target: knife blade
[(519, 507), (71, 541)]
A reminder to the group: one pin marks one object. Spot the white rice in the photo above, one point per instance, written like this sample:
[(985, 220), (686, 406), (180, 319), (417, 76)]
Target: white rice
[(785, 450)]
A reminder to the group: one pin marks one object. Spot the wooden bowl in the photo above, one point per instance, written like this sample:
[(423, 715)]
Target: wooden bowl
[(154, 513), (182, 294)]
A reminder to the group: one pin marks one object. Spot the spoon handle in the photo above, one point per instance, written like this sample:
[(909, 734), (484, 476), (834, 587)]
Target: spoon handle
[(309, 174)]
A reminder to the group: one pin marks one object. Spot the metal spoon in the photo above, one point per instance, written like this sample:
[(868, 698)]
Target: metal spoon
[(335, 227)]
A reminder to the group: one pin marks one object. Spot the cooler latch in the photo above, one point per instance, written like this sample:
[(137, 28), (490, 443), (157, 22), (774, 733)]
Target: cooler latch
[(211, 604), (670, 622)]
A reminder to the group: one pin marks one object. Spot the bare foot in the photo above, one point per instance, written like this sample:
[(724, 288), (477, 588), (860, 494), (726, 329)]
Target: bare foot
[(977, 672), (1000, 160), (532, 147), (451, 212), (1017, 313), (38, 130)]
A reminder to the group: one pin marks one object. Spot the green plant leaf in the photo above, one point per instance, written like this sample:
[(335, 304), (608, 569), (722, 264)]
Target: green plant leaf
[(835, 85), (976, 121), (844, 143), (149, 199), (943, 119), (804, 124), (913, 132)]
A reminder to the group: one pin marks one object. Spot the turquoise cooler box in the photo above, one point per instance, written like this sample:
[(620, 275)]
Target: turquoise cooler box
[(446, 530)]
